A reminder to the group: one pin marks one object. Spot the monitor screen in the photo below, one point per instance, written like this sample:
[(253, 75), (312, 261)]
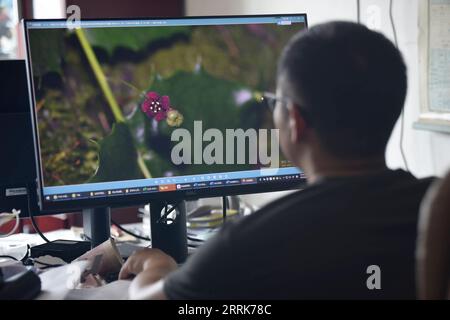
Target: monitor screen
[(126, 111)]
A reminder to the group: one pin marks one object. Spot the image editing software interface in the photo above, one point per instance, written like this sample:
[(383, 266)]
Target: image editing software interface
[(151, 106)]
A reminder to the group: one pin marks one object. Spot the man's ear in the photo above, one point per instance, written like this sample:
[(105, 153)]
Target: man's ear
[(297, 124)]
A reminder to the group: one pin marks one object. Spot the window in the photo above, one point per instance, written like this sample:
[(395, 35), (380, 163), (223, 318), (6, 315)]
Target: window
[(8, 29)]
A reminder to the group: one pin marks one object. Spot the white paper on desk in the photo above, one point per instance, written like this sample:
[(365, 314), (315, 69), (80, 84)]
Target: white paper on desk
[(114, 291), (59, 284), (110, 260)]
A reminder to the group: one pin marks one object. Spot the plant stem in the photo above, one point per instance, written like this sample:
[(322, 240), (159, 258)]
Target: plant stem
[(143, 167), (100, 75), (109, 96)]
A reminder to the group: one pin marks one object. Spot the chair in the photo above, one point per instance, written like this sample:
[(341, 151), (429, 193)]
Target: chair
[(433, 247)]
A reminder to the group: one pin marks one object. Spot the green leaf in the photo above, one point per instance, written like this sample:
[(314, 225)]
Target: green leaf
[(118, 156), (47, 46), (136, 123), (132, 38), (198, 96)]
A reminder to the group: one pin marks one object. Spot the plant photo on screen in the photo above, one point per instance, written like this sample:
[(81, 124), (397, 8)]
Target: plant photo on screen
[(108, 99)]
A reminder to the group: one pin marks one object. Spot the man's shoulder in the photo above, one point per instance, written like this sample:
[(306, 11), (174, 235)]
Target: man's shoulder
[(327, 198), (408, 179), (406, 186), (298, 204)]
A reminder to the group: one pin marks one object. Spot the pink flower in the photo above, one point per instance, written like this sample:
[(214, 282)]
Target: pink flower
[(156, 106)]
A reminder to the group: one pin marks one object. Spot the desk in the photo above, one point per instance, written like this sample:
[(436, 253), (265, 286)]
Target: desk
[(57, 285), (16, 245), (55, 282)]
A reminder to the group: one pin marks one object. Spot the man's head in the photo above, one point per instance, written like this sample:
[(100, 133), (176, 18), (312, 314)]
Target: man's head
[(342, 87)]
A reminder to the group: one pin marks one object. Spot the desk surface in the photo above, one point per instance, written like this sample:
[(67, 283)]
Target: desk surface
[(56, 282), (16, 245)]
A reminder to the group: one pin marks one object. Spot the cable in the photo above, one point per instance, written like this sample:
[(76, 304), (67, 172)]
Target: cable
[(15, 259), (402, 117), (50, 266), (358, 11), (195, 239), (391, 18), (129, 232), (34, 262), (224, 209), (46, 265), (9, 257), (33, 221)]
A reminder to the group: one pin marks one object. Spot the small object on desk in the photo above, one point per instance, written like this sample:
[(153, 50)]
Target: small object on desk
[(44, 262), (66, 250), (213, 219), (104, 259), (18, 283)]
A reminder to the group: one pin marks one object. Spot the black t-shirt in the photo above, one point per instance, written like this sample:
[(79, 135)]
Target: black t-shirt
[(314, 244)]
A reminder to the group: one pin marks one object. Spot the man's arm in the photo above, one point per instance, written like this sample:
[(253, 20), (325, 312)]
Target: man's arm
[(216, 270), (150, 266)]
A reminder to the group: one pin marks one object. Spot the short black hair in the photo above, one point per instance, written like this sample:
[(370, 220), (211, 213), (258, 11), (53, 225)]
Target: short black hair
[(352, 82)]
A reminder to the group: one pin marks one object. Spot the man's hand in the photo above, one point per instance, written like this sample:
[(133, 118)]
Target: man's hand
[(147, 260), (149, 267)]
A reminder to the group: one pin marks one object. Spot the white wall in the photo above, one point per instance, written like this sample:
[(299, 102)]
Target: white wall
[(318, 10), (49, 9), (427, 153)]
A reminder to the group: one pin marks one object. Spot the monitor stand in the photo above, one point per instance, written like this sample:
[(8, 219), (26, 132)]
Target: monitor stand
[(167, 234), (97, 225)]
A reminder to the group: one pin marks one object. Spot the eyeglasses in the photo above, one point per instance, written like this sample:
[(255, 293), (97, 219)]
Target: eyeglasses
[(271, 99)]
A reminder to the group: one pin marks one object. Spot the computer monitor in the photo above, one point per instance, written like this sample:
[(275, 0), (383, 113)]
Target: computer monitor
[(17, 159), (129, 111), (114, 103)]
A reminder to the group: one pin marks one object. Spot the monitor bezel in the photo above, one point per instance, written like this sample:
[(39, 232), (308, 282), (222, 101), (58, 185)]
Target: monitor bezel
[(140, 199)]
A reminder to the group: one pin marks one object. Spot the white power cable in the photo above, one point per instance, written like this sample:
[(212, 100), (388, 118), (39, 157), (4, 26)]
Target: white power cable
[(358, 11), (403, 114)]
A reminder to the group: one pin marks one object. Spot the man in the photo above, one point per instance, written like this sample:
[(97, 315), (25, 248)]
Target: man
[(352, 232)]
